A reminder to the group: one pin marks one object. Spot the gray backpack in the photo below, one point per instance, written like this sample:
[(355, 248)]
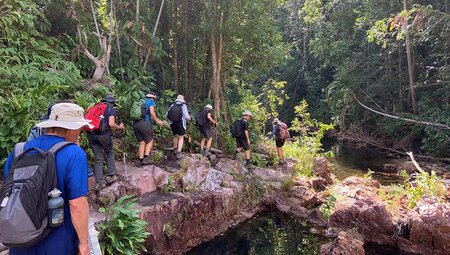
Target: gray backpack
[(24, 196)]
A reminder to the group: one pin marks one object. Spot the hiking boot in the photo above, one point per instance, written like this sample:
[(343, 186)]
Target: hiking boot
[(207, 153), (139, 164), (175, 152), (111, 178), (179, 155), (99, 185), (147, 161)]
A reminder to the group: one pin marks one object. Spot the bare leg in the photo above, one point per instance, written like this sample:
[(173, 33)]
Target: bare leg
[(247, 154), (208, 144), (141, 149), (175, 142), (202, 144), (280, 152), (148, 147), (180, 142)]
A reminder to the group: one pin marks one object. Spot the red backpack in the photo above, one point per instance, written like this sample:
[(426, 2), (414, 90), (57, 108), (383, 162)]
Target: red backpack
[(96, 114), (284, 131)]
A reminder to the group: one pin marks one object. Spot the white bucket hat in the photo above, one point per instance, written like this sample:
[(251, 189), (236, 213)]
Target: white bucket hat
[(276, 120), (66, 115), (180, 98), (247, 113), (208, 106), (151, 95)]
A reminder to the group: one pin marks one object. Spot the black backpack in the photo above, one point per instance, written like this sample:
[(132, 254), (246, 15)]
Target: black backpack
[(175, 112), (236, 129), (201, 119), (24, 196)]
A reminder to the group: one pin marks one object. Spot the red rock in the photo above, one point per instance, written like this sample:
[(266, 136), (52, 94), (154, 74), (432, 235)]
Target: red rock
[(345, 244)]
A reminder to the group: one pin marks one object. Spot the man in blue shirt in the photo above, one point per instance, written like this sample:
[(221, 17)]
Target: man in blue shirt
[(64, 123), (143, 129)]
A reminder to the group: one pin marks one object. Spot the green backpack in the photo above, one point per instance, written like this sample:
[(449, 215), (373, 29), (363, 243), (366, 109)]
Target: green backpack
[(138, 110)]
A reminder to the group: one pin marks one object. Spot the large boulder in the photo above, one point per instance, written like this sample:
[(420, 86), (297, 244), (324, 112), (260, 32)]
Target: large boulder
[(346, 243), (193, 161), (230, 166), (429, 227), (147, 178), (322, 169), (206, 179)]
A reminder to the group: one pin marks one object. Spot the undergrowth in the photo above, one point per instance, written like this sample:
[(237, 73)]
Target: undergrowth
[(122, 232)]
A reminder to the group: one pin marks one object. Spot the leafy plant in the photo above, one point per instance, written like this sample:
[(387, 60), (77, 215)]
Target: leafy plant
[(368, 176), (170, 187), (168, 229), (423, 184), (122, 232), (327, 209)]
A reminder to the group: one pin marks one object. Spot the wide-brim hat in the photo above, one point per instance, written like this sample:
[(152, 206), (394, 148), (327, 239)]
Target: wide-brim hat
[(150, 95), (66, 115), (247, 113), (109, 99), (180, 98), (208, 107), (276, 120)]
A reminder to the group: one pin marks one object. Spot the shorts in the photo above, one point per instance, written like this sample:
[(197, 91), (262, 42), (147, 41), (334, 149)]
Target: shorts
[(177, 128), (205, 132), (279, 142), (241, 142), (143, 130)]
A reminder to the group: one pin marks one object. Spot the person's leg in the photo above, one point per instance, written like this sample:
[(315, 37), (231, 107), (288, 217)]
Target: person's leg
[(106, 142), (280, 153), (148, 147), (208, 144), (202, 145), (246, 147), (175, 142), (142, 148), (98, 165), (180, 143)]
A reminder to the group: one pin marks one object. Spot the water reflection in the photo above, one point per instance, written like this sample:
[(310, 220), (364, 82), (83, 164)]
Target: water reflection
[(266, 234), (351, 161)]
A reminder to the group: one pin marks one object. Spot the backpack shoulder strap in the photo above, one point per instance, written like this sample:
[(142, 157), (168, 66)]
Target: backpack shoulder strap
[(58, 146), (19, 149)]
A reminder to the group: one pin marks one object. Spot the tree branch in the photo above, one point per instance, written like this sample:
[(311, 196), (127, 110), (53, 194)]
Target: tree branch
[(400, 118)]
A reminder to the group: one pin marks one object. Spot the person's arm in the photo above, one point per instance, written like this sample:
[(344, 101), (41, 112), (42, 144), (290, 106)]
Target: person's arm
[(153, 115), (185, 112), (112, 123), (79, 213), (211, 119)]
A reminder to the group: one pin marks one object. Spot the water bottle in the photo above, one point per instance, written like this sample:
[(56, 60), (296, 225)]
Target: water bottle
[(55, 208)]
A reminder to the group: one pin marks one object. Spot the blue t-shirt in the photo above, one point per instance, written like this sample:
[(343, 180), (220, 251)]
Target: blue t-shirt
[(148, 103), (72, 174)]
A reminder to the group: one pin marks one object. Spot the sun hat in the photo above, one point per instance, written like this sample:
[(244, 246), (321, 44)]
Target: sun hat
[(247, 113), (109, 99), (208, 107), (180, 98), (276, 120), (66, 115), (151, 95)]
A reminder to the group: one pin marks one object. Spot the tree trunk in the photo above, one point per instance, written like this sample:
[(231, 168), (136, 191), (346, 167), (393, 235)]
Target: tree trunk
[(214, 73), (400, 79), (186, 49), (175, 66), (137, 9), (218, 65), (153, 34), (412, 90)]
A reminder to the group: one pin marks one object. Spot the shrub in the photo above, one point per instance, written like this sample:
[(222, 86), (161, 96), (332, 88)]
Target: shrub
[(123, 232), (423, 184), (327, 209)]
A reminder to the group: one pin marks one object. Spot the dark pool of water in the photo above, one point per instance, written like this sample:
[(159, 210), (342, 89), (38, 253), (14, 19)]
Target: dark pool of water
[(267, 234), (351, 161)]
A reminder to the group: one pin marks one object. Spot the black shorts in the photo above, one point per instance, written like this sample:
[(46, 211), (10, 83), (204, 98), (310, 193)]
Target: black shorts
[(279, 142), (177, 128), (241, 142), (143, 130), (205, 132)]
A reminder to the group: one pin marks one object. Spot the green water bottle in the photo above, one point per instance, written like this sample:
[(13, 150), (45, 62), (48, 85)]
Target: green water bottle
[(55, 208)]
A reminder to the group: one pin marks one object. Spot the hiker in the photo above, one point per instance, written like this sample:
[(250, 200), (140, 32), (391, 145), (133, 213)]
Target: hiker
[(281, 133), (204, 121), (101, 141), (64, 124), (143, 129), (178, 116), (242, 135)]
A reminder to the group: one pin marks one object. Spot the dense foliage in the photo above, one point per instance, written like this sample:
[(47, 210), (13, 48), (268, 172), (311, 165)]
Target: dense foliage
[(262, 55)]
